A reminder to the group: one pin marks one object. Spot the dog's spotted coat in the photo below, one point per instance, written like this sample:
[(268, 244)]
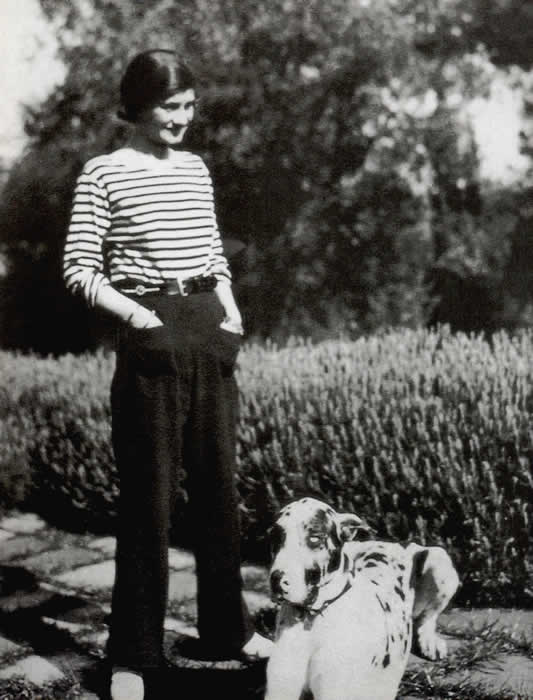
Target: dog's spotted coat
[(349, 610)]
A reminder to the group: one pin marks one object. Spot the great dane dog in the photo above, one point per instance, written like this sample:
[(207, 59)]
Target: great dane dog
[(350, 611)]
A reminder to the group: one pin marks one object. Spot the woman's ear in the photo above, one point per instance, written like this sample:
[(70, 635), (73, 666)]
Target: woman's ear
[(350, 527)]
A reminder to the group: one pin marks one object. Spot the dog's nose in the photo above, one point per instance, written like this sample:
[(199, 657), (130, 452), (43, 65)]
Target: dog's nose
[(278, 582)]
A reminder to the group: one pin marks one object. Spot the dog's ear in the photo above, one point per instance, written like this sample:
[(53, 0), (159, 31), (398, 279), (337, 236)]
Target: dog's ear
[(350, 527)]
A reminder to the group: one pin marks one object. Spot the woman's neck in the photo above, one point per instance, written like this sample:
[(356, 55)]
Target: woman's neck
[(141, 144)]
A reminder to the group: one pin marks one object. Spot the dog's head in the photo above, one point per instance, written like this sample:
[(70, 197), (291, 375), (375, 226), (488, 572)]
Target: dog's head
[(306, 541)]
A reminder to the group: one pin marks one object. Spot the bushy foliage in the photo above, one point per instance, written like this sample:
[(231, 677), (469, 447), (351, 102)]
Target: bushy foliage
[(337, 139), (56, 452), (426, 434)]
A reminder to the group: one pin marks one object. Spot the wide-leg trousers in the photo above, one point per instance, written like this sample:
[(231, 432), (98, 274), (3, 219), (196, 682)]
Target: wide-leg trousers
[(174, 403)]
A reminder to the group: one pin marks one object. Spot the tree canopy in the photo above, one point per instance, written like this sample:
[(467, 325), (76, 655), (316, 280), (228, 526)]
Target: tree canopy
[(337, 139)]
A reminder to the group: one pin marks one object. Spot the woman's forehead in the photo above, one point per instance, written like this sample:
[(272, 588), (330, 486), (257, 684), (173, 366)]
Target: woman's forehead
[(179, 97)]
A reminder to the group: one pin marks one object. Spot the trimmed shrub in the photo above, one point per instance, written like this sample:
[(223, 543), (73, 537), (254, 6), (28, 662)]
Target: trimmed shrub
[(56, 455), (425, 433)]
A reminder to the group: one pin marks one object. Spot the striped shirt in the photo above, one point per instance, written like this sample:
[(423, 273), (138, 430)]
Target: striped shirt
[(138, 218)]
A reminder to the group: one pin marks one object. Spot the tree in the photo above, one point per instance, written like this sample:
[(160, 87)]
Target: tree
[(336, 138)]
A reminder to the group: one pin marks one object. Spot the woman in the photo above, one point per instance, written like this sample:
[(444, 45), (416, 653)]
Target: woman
[(143, 244)]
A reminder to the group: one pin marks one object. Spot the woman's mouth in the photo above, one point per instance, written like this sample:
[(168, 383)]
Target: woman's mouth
[(175, 131)]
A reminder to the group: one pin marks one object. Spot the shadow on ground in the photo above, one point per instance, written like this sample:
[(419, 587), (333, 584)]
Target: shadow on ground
[(31, 618), (172, 682)]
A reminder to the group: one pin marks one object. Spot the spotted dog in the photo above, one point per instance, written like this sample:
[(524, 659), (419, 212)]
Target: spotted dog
[(350, 611)]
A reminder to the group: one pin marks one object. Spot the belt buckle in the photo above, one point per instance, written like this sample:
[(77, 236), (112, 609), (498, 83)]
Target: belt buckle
[(140, 290)]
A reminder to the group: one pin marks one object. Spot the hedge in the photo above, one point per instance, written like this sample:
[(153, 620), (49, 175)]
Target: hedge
[(426, 433)]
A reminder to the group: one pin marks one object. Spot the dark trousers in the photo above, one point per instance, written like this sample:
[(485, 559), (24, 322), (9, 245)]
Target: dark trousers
[(174, 411)]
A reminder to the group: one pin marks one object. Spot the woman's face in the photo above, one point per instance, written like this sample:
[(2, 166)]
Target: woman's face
[(165, 124)]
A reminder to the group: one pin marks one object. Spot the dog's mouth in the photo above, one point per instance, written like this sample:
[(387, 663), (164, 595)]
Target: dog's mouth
[(307, 602)]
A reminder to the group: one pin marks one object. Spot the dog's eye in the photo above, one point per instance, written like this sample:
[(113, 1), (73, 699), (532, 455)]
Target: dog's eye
[(315, 540)]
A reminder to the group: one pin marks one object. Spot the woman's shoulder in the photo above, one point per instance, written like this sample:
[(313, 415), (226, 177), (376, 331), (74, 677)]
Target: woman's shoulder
[(96, 164), (128, 158), (189, 158)]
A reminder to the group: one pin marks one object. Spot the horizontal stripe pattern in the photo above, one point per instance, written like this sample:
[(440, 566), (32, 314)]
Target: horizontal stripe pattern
[(136, 217)]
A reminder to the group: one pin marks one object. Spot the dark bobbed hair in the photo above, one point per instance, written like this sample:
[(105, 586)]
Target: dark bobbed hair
[(151, 77)]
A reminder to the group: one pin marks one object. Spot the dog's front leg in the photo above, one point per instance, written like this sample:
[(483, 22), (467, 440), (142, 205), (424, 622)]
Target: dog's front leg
[(288, 663)]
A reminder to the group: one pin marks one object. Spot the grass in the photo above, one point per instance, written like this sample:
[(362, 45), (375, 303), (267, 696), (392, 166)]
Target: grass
[(479, 649)]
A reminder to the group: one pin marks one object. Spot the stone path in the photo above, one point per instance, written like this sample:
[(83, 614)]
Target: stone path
[(54, 601)]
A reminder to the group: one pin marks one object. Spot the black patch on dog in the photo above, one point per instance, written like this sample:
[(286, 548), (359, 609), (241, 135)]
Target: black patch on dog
[(419, 561), (346, 564), (386, 660), (277, 536), (399, 592), (376, 556), (312, 576), (318, 522), (370, 564), (335, 561), (384, 606)]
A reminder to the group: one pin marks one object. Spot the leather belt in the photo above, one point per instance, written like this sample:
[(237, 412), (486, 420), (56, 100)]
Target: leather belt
[(183, 287)]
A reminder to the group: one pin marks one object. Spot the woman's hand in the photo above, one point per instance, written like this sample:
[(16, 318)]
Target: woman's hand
[(127, 310), (142, 317), (233, 324)]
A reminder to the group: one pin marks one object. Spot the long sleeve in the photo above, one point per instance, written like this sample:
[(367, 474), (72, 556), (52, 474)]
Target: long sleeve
[(83, 260), (218, 263)]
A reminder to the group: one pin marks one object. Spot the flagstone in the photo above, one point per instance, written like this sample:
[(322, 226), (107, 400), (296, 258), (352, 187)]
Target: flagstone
[(23, 523), (93, 577), (172, 624), (58, 560), (34, 669), (22, 546), (24, 600), (182, 585), (7, 647), (104, 544), (180, 559)]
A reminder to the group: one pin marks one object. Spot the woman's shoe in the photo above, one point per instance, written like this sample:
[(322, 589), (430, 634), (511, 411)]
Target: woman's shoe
[(126, 685), (258, 647)]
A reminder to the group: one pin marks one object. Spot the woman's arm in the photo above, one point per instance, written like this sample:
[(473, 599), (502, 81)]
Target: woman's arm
[(126, 309), (83, 261), (233, 320)]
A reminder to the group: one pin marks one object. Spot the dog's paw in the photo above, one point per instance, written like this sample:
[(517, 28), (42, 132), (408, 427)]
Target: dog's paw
[(429, 645)]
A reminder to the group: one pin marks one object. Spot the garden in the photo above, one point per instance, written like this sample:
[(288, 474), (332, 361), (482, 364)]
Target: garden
[(425, 433)]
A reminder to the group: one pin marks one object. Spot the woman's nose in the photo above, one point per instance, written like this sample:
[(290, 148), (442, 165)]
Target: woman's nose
[(181, 116)]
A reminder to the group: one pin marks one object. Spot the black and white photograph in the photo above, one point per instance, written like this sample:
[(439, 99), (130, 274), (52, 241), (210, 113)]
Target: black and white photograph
[(266, 349)]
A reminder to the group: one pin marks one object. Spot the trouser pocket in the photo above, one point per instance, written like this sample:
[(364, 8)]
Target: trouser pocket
[(227, 349), (151, 350)]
